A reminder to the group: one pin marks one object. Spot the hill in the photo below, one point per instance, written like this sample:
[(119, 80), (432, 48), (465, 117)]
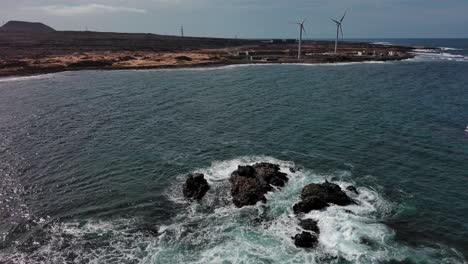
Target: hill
[(22, 26)]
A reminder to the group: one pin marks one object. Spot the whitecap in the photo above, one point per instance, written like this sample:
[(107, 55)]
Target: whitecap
[(27, 78)]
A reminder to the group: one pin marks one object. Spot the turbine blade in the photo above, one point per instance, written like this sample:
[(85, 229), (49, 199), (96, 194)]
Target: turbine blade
[(341, 29), (303, 29), (335, 21), (343, 16), (304, 20)]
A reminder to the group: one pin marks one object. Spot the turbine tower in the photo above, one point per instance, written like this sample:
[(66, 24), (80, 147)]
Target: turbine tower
[(182, 30), (301, 30), (339, 28)]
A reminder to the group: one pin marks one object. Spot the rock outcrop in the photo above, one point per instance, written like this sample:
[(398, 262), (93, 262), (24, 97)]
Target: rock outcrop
[(305, 240), (309, 225), (352, 189), (318, 196), (249, 184), (196, 186)]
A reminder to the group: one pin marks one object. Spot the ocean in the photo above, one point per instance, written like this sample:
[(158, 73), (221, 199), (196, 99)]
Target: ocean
[(92, 162)]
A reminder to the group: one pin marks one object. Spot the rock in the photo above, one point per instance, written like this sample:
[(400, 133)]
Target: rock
[(247, 191), (270, 173), (309, 225), (305, 240), (308, 204), (352, 189), (328, 192), (246, 171), (196, 186), (292, 170), (249, 184)]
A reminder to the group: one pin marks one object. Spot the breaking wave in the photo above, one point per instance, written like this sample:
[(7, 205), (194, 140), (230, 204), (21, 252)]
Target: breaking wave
[(438, 55), (214, 231)]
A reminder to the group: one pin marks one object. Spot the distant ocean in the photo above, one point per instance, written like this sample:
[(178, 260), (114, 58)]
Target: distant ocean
[(91, 162)]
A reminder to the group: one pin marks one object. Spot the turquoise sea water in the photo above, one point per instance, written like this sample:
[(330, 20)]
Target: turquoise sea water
[(92, 162)]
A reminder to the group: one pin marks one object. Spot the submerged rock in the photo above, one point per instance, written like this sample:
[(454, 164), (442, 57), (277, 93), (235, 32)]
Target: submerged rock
[(305, 240), (249, 184), (309, 225), (352, 189), (196, 186)]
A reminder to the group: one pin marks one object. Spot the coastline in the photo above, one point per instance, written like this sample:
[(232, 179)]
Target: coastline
[(49, 69), (34, 54)]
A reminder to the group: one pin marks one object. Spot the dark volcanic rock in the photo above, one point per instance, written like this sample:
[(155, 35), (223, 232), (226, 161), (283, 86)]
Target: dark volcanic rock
[(352, 189), (270, 173), (308, 204), (328, 192), (309, 225), (195, 186), (246, 171), (305, 240), (249, 184)]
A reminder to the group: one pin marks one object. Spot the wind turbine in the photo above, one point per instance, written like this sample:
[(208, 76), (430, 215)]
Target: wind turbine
[(301, 30), (339, 28)]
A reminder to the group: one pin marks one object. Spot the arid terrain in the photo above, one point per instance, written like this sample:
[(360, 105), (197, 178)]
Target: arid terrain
[(29, 52)]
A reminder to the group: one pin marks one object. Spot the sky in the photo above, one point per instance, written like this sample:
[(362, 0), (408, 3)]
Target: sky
[(250, 18)]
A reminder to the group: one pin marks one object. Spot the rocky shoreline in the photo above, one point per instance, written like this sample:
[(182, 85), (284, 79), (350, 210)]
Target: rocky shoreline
[(25, 54), (250, 183)]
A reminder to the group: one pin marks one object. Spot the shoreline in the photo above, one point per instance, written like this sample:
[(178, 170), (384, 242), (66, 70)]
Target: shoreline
[(200, 65), (36, 54)]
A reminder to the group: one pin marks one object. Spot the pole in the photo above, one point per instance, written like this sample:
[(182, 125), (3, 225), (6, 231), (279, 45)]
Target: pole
[(300, 43), (336, 41)]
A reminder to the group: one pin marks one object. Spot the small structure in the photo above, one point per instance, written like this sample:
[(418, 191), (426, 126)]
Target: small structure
[(256, 58)]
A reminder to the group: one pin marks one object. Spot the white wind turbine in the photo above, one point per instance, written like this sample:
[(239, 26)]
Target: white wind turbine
[(301, 30), (339, 28)]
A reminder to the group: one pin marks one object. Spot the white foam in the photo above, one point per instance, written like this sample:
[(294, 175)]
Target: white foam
[(28, 78), (448, 48), (434, 55), (383, 43)]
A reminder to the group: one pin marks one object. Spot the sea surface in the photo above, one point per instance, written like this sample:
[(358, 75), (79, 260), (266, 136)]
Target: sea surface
[(92, 162)]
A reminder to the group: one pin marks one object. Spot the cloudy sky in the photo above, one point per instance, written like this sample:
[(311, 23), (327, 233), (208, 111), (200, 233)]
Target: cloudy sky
[(249, 18)]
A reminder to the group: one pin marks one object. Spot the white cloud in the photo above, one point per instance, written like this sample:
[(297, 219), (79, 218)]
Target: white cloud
[(86, 9)]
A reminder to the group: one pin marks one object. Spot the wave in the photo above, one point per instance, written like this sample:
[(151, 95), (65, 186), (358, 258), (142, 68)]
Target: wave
[(435, 55), (27, 78), (383, 43), (234, 66), (448, 48), (214, 231)]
